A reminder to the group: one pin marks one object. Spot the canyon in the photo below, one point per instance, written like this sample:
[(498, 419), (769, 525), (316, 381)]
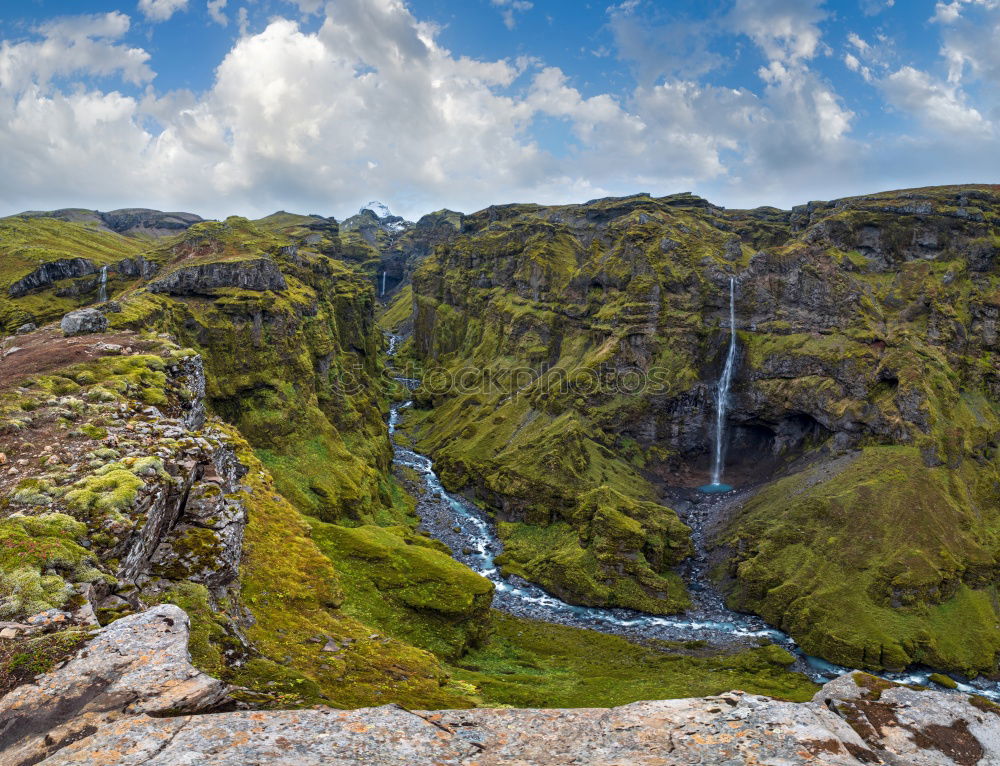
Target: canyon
[(458, 464)]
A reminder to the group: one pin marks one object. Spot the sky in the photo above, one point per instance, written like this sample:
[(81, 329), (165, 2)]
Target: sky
[(223, 107)]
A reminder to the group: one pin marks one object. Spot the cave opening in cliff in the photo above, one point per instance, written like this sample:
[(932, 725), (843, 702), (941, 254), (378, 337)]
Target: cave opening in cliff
[(759, 449)]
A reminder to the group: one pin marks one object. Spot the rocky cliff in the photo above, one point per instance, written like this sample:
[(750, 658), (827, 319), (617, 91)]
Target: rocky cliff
[(570, 359), (126, 698)]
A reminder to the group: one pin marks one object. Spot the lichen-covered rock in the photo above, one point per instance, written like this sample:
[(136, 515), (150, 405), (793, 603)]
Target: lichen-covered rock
[(851, 721), (84, 322), (137, 665)]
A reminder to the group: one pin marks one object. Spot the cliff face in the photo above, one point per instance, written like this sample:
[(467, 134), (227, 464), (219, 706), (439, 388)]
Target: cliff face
[(292, 359), (571, 355)]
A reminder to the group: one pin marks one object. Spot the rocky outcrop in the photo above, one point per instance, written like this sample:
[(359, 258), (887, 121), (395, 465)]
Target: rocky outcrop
[(149, 223), (51, 272), (137, 666), (258, 274), (135, 268), (405, 252), (122, 700), (83, 322)]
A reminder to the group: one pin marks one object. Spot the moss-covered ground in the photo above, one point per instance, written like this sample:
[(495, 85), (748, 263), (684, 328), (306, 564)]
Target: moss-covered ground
[(533, 664)]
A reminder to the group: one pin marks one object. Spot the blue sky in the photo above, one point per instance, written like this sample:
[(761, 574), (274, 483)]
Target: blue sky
[(225, 106)]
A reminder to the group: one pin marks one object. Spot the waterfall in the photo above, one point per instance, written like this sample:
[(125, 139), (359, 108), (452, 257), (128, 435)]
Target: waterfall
[(102, 286), (722, 399), (383, 284)]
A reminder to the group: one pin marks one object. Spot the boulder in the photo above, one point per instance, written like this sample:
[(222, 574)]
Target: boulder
[(136, 666), (83, 322)]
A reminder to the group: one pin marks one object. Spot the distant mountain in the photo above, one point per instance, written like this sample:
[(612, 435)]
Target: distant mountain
[(133, 221)]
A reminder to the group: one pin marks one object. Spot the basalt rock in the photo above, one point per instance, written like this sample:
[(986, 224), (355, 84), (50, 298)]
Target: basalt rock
[(259, 274), (136, 666), (140, 222), (51, 272)]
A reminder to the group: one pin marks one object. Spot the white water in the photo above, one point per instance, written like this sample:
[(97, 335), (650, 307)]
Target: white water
[(102, 286), (470, 536), (722, 392), (383, 284)]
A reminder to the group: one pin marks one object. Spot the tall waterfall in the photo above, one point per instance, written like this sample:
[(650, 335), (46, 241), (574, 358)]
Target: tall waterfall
[(722, 399), (102, 286), (383, 284)]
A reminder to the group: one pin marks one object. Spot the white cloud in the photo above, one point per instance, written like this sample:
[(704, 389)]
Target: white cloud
[(971, 43), (509, 7), (785, 30), (217, 10), (940, 106), (664, 45), (875, 7), (243, 21), (857, 42), (78, 45), (161, 10)]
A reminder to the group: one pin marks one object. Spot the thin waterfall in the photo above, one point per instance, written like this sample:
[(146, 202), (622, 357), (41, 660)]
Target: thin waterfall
[(722, 399), (383, 284), (102, 286)]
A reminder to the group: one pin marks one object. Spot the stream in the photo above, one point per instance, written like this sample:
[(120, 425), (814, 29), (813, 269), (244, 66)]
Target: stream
[(472, 539)]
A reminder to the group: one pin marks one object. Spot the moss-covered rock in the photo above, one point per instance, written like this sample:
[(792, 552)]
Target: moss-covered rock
[(882, 562)]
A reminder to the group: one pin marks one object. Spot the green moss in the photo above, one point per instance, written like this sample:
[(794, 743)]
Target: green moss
[(21, 660), (27, 243), (398, 312), (114, 489), (534, 664), (295, 595), (942, 680), (408, 586), (31, 549), (884, 564), (612, 551), (93, 432)]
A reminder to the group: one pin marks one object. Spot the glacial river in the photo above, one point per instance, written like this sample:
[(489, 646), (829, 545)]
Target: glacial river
[(472, 539)]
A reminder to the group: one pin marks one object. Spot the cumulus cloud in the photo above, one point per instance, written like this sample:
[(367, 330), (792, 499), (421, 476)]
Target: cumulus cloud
[(785, 30), (939, 105), (664, 45), (79, 45), (161, 10), (371, 101), (370, 104)]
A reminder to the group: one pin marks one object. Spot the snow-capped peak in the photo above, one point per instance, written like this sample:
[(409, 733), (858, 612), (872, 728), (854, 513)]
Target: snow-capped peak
[(378, 208)]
